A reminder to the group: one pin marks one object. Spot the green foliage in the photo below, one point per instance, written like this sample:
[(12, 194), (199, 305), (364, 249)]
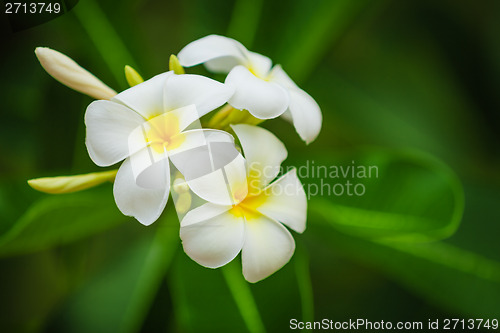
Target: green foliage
[(308, 41), (200, 298), (105, 38), (407, 196), (402, 74), (243, 297), (119, 296), (458, 280), (58, 220)]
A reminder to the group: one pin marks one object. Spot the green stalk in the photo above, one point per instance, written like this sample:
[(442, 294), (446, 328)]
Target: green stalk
[(243, 297), (245, 20), (105, 38), (304, 283), (222, 114), (158, 260), (324, 27)]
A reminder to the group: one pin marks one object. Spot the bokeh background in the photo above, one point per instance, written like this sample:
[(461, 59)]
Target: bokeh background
[(410, 86)]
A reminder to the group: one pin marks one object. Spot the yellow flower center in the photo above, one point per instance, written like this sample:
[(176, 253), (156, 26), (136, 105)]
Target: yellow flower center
[(257, 73), (248, 207), (164, 132)]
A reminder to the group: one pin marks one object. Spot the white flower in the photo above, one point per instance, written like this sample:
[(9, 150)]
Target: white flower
[(146, 126), (214, 234), (265, 91)]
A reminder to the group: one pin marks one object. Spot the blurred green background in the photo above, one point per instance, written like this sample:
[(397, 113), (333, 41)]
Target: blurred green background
[(410, 86)]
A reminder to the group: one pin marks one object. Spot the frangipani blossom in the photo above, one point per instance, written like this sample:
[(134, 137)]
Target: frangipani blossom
[(146, 126), (265, 91), (214, 234)]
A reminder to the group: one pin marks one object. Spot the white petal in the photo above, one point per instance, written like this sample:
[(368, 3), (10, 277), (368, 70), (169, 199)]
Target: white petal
[(224, 64), (147, 151), (223, 184), (303, 110), (146, 98), (176, 120), (264, 153), (146, 205), (203, 213), (219, 53), (278, 75), (205, 93), (186, 115), (151, 170), (109, 125), (262, 99), (211, 235), (260, 64), (306, 115), (286, 202), (211, 165), (220, 142), (268, 246)]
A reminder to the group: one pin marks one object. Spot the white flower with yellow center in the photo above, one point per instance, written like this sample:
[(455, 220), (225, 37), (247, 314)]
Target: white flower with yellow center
[(146, 126), (265, 91), (213, 234)]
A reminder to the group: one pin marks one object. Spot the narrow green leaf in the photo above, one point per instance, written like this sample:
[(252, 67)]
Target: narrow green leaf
[(56, 220), (309, 41), (155, 265), (398, 195), (201, 300), (125, 289), (105, 38), (244, 21), (459, 280), (243, 297), (304, 282)]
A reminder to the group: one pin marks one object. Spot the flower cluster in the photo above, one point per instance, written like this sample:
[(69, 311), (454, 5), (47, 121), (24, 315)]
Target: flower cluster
[(226, 194)]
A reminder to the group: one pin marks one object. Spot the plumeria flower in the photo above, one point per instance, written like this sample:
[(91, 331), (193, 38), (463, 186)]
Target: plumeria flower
[(146, 126), (213, 234), (265, 91)]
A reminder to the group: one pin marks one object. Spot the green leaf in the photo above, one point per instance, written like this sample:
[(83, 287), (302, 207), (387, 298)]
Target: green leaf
[(304, 283), (105, 38), (118, 298), (225, 302), (201, 299), (306, 42), (243, 297), (56, 220), (460, 281), (397, 195), (400, 93), (244, 21)]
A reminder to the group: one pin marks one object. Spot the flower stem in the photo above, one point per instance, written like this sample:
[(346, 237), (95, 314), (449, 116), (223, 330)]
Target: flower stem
[(251, 120), (220, 116), (105, 38), (158, 258), (304, 282), (228, 115), (243, 297)]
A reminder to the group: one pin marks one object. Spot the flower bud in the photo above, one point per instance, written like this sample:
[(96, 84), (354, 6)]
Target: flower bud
[(68, 72), (175, 65), (68, 184), (132, 76)]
